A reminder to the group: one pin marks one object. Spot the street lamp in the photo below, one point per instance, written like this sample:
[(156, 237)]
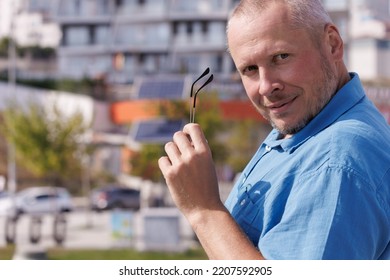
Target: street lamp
[(11, 165)]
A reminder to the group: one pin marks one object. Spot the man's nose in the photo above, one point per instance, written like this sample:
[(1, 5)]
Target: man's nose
[(269, 82)]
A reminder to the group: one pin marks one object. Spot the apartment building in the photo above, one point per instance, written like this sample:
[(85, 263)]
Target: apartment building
[(369, 51), (122, 39)]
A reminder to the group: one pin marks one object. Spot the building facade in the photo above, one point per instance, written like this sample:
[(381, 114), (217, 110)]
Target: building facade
[(369, 51), (122, 39)]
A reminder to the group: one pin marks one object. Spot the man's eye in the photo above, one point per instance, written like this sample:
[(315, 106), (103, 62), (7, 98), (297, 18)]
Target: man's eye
[(250, 69), (281, 56)]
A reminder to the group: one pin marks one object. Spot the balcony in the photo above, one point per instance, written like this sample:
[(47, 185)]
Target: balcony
[(101, 11), (207, 9), (73, 11), (134, 10), (213, 39)]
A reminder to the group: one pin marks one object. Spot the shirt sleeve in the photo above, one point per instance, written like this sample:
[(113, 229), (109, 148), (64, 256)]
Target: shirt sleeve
[(332, 213)]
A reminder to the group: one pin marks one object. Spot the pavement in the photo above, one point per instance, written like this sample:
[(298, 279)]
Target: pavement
[(149, 229), (84, 230)]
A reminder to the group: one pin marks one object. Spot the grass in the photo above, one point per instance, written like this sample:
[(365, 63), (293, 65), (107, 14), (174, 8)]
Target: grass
[(6, 253), (123, 254)]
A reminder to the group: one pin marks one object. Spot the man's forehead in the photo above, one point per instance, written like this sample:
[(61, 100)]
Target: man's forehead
[(274, 13)]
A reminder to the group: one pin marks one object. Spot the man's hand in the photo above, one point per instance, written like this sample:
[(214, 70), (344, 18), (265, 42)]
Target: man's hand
[(189, 172)]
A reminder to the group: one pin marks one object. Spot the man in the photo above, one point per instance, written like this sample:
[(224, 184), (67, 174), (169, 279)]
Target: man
[(319, 185)]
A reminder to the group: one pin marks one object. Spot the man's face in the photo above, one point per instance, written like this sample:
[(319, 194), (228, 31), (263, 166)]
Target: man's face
[(286, 76)]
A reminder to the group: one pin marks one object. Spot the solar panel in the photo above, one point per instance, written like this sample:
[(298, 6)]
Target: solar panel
[(155, 131), (161, 88)]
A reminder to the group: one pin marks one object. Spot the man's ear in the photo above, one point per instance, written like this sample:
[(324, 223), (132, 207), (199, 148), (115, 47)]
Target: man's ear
[(334, 42)]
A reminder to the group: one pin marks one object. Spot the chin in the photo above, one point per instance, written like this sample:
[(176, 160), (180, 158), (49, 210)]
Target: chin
[(288, 128)]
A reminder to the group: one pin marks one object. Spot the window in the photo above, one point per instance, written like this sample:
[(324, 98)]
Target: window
[(77, 36), (102, 34), (46, 196)]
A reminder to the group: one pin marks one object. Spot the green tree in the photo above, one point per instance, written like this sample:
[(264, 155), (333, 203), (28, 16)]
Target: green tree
[(244, 139), (4, 43), (46, 143), (35, 52), (144, 163), (209, 117)]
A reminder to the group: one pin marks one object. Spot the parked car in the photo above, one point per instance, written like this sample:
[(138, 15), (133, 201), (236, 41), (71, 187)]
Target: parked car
[(45, 199), (114, 196), (5, 204), (36, 200)]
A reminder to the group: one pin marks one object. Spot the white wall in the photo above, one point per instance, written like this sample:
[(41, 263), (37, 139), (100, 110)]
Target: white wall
[(68, 103), (30, 30), (370, 57)]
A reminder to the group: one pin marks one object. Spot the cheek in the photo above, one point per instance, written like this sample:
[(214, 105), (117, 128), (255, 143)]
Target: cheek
[(297, 75), (307, 72)]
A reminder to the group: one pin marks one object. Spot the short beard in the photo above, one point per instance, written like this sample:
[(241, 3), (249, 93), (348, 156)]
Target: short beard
[(327, 86)]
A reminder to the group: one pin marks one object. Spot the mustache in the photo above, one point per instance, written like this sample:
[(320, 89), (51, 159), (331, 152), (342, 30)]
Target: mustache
[(277, 99)]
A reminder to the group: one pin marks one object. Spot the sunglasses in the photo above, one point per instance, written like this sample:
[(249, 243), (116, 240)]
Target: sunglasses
[(193, 95)]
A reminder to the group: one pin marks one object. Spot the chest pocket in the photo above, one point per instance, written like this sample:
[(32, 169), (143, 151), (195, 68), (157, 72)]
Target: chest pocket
[(249, 210)]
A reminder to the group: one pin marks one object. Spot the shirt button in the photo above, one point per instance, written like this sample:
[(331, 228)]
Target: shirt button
[(242, 202), (268, 148)]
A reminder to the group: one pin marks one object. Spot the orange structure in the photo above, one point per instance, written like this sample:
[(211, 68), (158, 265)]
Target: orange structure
[(141, 110)]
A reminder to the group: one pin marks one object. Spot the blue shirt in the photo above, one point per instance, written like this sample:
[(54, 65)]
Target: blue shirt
[(325, 192)]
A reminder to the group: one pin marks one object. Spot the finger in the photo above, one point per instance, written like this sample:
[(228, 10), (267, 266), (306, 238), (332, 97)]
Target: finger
[(173, 152), (164, 163), (183, 142), (198, 139)]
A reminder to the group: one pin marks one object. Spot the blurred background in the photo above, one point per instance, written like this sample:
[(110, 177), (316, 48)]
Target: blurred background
[(91, 90)]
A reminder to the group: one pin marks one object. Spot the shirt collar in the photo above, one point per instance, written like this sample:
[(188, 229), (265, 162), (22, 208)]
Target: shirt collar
[(350, 94)]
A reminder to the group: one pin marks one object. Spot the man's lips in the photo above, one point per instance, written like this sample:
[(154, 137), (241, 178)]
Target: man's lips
[(280, 106)]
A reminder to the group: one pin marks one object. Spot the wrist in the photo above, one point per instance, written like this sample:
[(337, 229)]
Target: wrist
[(203, 218)]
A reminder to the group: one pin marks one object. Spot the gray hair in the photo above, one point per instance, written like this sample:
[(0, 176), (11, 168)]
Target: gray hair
[(308, 14)]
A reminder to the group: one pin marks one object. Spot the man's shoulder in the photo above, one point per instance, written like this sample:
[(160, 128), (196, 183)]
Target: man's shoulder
[(359, 144), (360, 127)]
